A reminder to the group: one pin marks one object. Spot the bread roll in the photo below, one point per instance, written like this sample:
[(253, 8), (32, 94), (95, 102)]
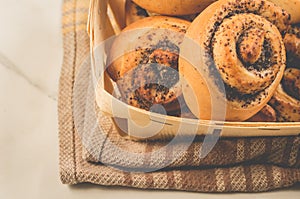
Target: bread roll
[(234, 56), (292, 44), (286, 99), (144, 62), (135, 13), (292, 7), (174, 7)]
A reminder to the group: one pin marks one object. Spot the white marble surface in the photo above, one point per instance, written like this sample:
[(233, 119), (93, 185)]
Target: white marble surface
[(30, 61)]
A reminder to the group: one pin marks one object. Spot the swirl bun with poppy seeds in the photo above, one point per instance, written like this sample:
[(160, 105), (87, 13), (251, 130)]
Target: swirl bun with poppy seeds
[(143, 61), (242, 49)]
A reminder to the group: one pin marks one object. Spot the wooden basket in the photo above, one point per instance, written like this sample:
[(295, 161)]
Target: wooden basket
[(107, 18)]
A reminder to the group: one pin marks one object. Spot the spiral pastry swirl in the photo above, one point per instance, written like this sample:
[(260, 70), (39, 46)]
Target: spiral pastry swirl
[(243, 50), (143, 61)]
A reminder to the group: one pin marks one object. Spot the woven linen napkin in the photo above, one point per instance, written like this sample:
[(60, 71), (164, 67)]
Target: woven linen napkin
[(234, 164)]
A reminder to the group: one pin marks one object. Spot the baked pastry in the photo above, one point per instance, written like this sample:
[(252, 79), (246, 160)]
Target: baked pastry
[(266, 114), (174, 7), (292, 44), (234, 56), (286, 99), (292, 7), (143, 61), (135, 13)]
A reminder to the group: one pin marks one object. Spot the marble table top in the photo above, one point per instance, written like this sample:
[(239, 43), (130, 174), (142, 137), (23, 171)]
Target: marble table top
[(30, 60)]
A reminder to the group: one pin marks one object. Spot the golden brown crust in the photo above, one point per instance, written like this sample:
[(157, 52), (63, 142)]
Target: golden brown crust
[(135, 13), (218, 31), (143, 61), (174, 7)]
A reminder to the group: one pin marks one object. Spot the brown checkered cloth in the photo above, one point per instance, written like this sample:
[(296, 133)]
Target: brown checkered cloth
[(234, 164)]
